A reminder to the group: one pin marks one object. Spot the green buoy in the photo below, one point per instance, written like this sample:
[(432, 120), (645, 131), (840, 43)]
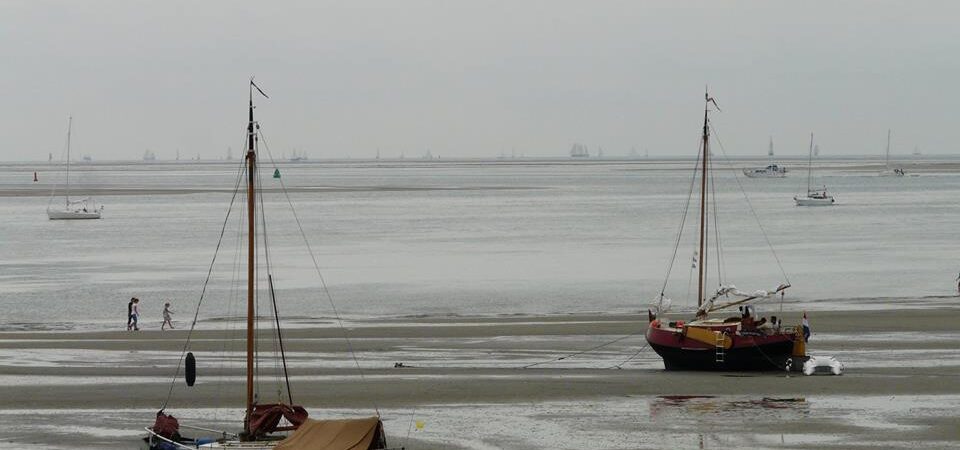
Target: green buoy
[(276, 173)]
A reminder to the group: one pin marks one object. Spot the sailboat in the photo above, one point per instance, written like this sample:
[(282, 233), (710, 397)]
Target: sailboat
[(737, 343), (83, 208), (814, 197), (263, 423), (888, 172), (772, 170)]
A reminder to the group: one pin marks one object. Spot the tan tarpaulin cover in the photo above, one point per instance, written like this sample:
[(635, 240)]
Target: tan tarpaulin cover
[(345, 434)]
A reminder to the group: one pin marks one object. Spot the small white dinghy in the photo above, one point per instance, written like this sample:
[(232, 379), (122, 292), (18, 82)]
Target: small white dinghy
[(822, 365)]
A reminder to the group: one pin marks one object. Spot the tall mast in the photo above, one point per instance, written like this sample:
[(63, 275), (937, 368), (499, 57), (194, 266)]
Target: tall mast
[(809, 163), (69, 130), (703, 199), (888, 148), (251, 159)]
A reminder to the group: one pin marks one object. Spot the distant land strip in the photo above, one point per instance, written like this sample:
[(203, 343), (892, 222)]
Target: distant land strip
[(105, 191)]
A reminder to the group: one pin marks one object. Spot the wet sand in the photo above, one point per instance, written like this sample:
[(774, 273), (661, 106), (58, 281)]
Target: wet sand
[(463, 372)]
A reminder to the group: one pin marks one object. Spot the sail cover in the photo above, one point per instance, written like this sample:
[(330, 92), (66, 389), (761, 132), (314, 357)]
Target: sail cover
[(265, 419), (344, 434)]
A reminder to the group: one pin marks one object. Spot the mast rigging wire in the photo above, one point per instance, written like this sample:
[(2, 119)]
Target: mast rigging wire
[(316, 266), (584, 351), (683, 220), (203, 291), (753, 212)]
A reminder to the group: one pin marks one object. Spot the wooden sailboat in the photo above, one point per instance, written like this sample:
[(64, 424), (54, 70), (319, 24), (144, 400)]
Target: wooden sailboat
[(740, 342), (72, 209), (814, 197), (264, 423)]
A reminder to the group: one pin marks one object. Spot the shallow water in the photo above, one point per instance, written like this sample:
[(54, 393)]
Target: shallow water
[(465, 239), (610, 423)]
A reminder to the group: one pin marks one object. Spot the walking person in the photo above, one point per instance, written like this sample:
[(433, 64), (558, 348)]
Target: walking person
[(130, 314), (135, 314), (166, 317)]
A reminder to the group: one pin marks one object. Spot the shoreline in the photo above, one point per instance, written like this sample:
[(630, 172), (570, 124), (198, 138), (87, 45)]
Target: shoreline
[(460, 373)]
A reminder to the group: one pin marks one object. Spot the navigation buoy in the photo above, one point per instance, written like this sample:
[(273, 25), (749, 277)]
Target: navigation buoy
[(35, 177), (190, 371), (276, 173)]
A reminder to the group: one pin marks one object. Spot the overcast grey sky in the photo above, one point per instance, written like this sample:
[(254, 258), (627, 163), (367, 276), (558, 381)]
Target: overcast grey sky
[(476, 78)]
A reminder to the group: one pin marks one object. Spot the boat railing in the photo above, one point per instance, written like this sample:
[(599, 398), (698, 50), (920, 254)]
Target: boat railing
[(171, 441), (221, 432)]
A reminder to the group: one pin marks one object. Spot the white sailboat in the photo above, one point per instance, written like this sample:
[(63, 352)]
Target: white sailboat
[(888, 171), (72, 209), (772, 170), (814, 197)]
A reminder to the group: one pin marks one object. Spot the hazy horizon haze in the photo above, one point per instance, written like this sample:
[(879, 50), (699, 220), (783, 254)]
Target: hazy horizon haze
[(478, 79)]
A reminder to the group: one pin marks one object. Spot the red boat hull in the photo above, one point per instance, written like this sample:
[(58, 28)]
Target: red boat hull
[(747, 353)]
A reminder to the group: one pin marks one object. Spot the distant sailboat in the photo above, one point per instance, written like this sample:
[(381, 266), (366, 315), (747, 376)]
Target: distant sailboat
[(891, 172), (579, 151), (72, 209), (814, 197), (771, 171), (298, 157)]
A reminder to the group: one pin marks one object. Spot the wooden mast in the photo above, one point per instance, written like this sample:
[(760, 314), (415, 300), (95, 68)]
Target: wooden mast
[(703, 201), (251, 160)]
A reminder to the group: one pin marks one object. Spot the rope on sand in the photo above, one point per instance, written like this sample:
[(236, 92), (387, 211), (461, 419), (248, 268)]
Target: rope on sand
[(571, 355)]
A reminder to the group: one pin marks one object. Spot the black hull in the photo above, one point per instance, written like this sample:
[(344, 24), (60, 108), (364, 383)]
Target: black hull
[(758, 358)]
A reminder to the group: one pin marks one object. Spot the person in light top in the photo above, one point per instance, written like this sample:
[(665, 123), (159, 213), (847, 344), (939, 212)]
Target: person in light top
[(166, 317), (135, 315)]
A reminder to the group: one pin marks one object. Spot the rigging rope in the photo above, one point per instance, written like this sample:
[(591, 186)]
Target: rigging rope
[(620, 366), (316, 266), (584, 351), (750, 205), (683, 220), (203, 291), (716, 231), (277, 339)]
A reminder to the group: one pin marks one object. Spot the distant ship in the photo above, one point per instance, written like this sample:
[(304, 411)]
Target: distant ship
[(294, 157), (579, 151), (149, 156), (87, 158)]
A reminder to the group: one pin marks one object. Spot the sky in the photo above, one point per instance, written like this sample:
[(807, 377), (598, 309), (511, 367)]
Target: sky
[(476, 78)]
